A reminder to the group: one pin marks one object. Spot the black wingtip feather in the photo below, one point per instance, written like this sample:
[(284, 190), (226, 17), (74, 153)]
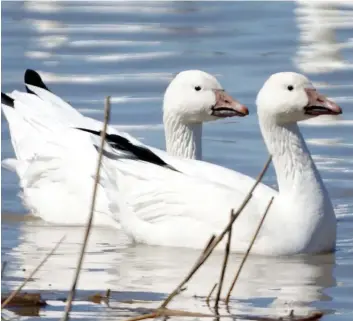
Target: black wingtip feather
[(7, 100), (140, 152), (33, 78), (95, 132)]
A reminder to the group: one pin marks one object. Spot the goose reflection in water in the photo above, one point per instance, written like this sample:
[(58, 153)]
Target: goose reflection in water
[(271, 286)]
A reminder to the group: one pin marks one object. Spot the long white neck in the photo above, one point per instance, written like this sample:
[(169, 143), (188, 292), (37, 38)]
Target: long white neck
[(182, 140), (296, 172), (304, 203)]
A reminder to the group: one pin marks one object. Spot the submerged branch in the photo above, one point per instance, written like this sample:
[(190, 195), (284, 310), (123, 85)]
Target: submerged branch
[(248, 251), (210, 294), (90, 219), (14, 293), (224, 266)]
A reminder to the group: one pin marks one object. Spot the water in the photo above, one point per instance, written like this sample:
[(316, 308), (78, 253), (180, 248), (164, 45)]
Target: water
[(130, 50)]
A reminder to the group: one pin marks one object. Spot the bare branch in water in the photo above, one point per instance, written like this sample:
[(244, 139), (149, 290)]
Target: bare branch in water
[(248, 251), (161, 312), (90, 219), (210, 294), (3, 267), (14, 293), (315, 316), (224, 266)]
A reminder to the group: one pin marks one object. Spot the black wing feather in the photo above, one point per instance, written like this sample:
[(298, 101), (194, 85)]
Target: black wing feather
[(122, 143), (33, 78), (7, 100)]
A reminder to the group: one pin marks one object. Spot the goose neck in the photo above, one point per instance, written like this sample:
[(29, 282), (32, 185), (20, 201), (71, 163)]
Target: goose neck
[(183, 140), (295, 170)]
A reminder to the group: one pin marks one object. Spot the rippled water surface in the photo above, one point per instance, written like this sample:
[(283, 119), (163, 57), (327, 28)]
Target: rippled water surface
[(131, 50)]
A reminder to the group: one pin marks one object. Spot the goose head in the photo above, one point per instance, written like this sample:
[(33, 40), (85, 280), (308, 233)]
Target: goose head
[(195, 96), (289, 97)]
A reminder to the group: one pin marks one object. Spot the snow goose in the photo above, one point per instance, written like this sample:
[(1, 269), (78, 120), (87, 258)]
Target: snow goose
[(159, 206), (192, 97), (49, 161)]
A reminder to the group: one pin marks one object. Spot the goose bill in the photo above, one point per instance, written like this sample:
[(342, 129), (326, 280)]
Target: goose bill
[(227, 106), (320, 105)]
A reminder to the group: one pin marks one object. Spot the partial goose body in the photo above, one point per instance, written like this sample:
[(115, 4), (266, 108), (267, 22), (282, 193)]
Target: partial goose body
[(181, 114), (51, 164), (57, 180), (159, 206)]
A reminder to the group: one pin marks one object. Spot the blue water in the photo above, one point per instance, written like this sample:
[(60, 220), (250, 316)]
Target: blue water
[(131, 50)]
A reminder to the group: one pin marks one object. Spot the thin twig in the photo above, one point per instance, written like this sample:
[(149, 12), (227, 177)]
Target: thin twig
[(90, 219), (224, 266), (210, 294), (3, 267), (107, 297), (14, 293), (210, 241), (315, 316), (213, 242), (248, 251), (161, 312), (152, 315), (180, 313)]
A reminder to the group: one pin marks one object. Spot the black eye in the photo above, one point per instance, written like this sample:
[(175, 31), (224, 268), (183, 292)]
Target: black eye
[(290, 87), (197, 88)]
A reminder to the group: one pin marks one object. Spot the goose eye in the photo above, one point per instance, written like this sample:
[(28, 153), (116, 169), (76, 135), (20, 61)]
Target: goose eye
[(290, 87), (197, 88)]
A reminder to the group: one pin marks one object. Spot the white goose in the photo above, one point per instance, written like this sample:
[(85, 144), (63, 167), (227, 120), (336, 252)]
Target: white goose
[(50, 164), (192, 97), (159, 206)]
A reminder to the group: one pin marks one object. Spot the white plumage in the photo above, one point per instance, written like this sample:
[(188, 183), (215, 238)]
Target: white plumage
[(160, 206), (55, 162)]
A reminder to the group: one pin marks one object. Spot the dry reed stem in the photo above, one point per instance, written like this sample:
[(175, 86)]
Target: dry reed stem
[(212, 238), (210, 294), (162, 312), (152, 315), (224, 266), (315, 316), (107, 297), (15, 292), (3, 267), (90, 219), (248, 251), (213, 242)]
